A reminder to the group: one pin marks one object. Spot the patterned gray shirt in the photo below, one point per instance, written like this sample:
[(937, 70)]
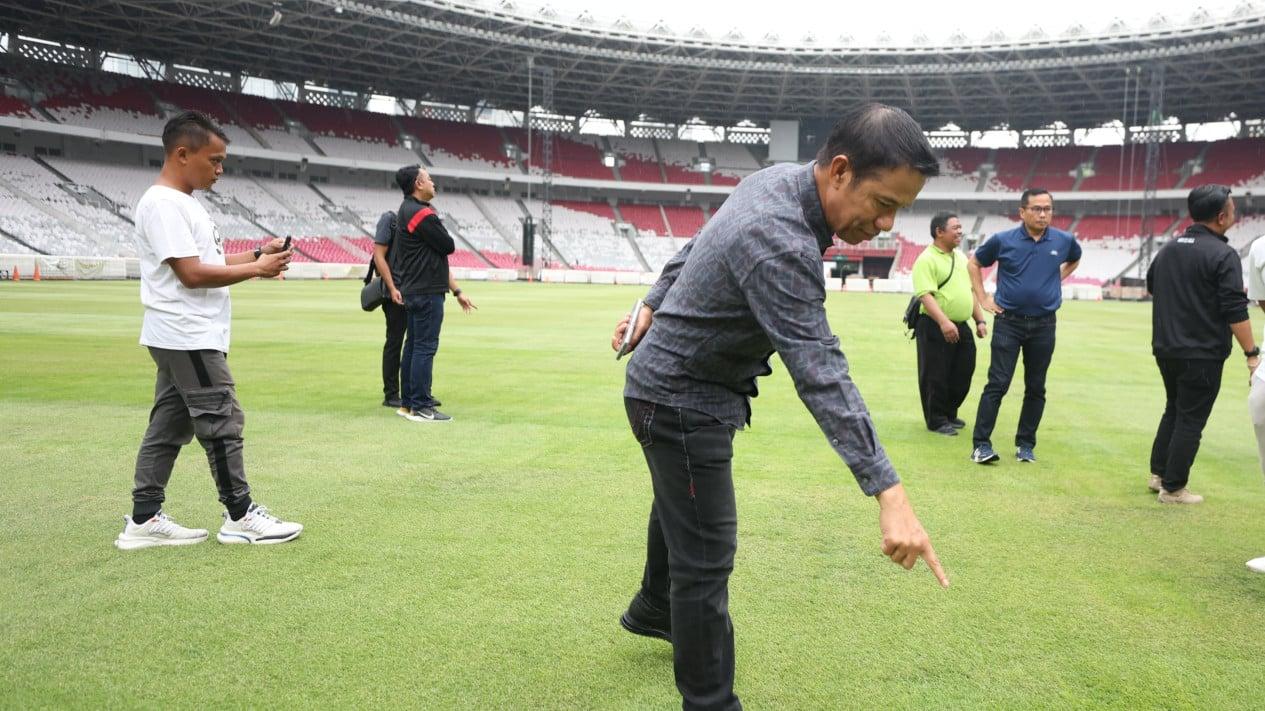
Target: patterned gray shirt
[(751, 283)]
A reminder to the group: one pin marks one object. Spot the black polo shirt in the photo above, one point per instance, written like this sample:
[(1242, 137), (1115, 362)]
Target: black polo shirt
[(1197, 284)]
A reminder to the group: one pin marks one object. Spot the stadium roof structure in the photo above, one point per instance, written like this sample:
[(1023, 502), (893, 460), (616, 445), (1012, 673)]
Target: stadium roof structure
[(464, 53)]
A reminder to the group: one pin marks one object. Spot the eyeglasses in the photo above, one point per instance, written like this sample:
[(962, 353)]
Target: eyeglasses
[(1040, 209)]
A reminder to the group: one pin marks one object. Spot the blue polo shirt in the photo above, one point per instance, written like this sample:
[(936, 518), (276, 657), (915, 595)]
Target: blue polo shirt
[(1029, 281)]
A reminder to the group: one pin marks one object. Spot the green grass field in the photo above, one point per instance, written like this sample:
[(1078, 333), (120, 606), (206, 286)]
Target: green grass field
[(483, 564)]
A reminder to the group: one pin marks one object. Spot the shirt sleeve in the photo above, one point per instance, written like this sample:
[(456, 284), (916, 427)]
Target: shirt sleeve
[(986, 253), (788, 300), (382, 233), (1230, 288), (1074, 251), (167, 231), (924, 275), (667, 277), (432, 231), (1256, 271)]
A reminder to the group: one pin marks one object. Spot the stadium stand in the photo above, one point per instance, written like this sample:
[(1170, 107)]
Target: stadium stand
[(648, 219), (684, 221), (640, 162), (459, 145), (57, 217), (732, 162), (678, 162)]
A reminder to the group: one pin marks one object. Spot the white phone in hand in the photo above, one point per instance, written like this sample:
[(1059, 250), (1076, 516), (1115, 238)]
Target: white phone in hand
[(626, 344)]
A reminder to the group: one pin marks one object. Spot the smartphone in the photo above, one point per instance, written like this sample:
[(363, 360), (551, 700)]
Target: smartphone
[(626, 344), (286, 246)]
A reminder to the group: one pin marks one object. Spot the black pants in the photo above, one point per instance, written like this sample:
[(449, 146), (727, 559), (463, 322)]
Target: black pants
[(1012, 334), (944, 370), (1190, 389), (397, 324), (692, 538)]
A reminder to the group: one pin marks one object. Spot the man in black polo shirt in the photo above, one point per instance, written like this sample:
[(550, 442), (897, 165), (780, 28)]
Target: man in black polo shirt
[(1197, 284), (1032, 261), (419, 266)]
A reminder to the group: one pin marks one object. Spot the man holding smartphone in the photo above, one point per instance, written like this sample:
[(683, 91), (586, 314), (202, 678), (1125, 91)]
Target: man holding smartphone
[(185, 277)]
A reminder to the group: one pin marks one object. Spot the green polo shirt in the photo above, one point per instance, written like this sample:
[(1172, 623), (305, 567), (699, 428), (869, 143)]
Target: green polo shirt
[(954, 298)]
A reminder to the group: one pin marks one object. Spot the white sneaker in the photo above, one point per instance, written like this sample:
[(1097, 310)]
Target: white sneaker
[(1256, 565), (258, 526), (157, 531)]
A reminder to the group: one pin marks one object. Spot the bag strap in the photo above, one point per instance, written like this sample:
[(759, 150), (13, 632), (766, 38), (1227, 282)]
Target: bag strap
[(953, 262)]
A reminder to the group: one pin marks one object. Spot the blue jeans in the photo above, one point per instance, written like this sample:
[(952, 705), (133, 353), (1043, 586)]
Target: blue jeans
[(1012, 334), (425, 316)]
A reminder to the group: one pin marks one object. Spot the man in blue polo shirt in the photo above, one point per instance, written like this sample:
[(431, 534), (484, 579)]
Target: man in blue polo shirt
[(1032, 261)]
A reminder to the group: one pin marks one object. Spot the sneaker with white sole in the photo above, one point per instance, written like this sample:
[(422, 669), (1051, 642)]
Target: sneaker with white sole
[(1256, 565), (258, 526), (1181, 496), (427, 414), (403, 412), (1155, 484), (160, 530)]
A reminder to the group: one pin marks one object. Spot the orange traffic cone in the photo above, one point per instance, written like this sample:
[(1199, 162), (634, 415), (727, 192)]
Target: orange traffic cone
[(16, 275), (37, 272)]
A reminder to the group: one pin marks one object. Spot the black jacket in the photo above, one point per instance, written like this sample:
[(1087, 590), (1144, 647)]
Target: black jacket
[(419, 252), (1197, 284)]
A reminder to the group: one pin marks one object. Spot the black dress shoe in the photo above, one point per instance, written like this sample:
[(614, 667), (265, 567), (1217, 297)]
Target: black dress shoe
[(947, 430), (392, 402), (957, 423), (646, 620)]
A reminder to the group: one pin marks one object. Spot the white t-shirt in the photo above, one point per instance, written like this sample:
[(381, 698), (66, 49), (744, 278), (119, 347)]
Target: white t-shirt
[(170, 224)]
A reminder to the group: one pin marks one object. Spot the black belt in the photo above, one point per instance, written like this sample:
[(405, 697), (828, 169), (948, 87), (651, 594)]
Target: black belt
[(1008, 314)]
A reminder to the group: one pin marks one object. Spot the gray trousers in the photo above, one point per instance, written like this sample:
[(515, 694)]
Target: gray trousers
[(194, 395)]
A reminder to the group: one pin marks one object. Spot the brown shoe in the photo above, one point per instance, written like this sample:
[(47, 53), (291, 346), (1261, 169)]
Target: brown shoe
[(1181, 496), (1156, 485)]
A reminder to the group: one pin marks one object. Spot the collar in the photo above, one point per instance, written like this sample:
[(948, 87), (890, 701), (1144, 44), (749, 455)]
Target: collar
[(1197, 229), (423, 203), (1023, 232), (810, 201)]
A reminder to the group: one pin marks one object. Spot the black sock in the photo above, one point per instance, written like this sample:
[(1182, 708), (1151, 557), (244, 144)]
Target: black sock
[(139, 517), (239, 509)]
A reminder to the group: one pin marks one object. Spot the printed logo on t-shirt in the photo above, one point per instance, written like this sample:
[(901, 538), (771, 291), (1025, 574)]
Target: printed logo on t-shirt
[(215, 235)]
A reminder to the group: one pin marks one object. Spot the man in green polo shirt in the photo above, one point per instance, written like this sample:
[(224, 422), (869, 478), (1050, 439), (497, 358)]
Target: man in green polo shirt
[(946, 353)]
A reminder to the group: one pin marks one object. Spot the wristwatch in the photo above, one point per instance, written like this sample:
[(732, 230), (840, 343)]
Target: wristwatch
[(258, 251), (457, 292), (1254, 353)]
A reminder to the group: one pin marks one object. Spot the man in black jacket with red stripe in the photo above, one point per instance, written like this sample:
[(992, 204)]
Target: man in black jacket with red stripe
[(419, 265)]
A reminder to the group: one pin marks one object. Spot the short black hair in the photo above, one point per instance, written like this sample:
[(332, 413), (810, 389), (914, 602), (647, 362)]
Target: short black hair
[(1031, 193), (940, 222), (191, 129), (1207, 201), (875, 136), (406, 177)]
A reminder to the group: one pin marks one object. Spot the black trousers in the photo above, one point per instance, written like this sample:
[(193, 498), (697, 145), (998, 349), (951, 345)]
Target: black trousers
[(1013, 334), (397, 324), (944, 370), (691, 542), (1190, 390)]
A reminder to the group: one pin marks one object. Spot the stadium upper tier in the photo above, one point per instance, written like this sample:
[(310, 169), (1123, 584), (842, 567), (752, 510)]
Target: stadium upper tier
[(120, 103)]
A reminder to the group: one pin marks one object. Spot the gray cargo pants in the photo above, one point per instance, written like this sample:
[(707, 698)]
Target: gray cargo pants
[(194, 395)]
